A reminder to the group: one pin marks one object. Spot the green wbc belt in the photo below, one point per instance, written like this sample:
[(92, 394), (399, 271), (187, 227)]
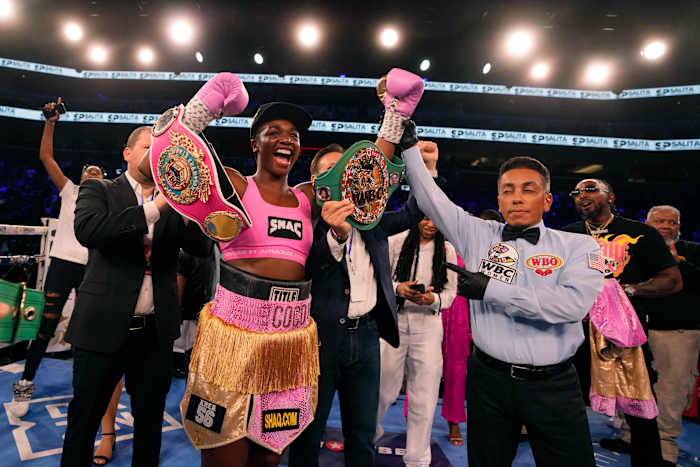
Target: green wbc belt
[(21, 309), (10, 295), (364, 176)]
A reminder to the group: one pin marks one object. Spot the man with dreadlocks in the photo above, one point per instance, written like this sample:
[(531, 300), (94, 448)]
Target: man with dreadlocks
[(423, 287)]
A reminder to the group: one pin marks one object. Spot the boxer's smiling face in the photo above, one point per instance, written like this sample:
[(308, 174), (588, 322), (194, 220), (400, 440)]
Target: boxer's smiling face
[(277, 145)]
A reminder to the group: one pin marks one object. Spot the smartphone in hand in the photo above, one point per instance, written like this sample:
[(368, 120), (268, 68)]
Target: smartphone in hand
[(417, 287)]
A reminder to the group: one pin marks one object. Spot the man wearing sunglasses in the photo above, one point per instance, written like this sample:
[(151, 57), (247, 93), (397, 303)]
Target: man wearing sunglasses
[(642, 263), (68, 259)]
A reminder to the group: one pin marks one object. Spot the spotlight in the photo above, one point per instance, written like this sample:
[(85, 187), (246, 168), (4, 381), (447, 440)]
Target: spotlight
[(146, 55), (654, 50), (6, 9), (389, 37), (519, 43), (540, 70), (309, 35), (199, 57), (424, 65), (597, 73), (487, 67), (73, 32), (98, 54), (258, 58), (181, 31)]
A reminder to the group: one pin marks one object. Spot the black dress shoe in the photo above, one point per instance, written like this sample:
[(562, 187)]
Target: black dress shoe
[(616, 445)]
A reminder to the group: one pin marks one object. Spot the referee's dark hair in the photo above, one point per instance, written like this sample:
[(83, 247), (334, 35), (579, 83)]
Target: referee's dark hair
[(525, 162)]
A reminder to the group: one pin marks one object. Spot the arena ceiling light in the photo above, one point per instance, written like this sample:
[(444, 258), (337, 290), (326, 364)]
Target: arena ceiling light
[(424, 65), (597, 73), (258, 58), (487, 67), (539, 70), (589, 169), (7, 9), (653, 50), (145, 55), (309, 35), (389, 37), (97, 54), (520, 42), (199, 57), (73, 32), (181, 31)]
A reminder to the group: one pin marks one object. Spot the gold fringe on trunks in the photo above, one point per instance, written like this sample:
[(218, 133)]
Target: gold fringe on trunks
[(251, 362)]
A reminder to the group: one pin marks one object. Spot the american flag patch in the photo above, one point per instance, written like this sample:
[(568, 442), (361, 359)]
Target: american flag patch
[(597, 261)]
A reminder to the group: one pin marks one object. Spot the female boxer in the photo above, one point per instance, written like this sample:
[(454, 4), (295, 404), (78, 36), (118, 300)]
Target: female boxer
[(254, 368)]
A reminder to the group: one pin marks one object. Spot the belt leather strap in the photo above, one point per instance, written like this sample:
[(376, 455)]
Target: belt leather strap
[(522, 372)]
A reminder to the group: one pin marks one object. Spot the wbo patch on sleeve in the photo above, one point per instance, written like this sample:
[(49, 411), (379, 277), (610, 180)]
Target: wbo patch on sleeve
[(205, 413), (545, 264)]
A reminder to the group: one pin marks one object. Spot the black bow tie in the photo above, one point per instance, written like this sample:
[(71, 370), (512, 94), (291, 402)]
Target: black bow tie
[(532, 235)]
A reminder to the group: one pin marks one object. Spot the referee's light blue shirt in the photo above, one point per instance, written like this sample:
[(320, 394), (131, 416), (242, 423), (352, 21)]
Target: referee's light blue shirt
[(537, 295)]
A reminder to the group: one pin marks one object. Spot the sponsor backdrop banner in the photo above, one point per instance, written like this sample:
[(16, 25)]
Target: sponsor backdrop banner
[(343, 81), (425, 132)]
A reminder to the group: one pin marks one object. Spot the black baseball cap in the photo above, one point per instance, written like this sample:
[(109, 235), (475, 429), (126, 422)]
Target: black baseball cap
[(280, 111)]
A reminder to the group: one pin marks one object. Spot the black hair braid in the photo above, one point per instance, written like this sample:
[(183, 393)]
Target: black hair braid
[(439, 278), (409, 252)]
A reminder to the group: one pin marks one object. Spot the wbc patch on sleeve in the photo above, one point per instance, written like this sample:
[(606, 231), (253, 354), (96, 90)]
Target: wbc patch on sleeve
[(205, 413), (501, 263), (280, 420), (544, 265)]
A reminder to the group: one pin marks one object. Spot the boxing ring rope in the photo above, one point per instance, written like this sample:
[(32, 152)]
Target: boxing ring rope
[(39, 259)]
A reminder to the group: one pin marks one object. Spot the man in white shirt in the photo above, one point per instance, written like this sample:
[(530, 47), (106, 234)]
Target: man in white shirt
[(354, 304), (68, 259), (126, 315)]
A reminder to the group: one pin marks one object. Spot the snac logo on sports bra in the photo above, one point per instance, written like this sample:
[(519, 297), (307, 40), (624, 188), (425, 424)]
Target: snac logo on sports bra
[(284, 228), (544, 264)]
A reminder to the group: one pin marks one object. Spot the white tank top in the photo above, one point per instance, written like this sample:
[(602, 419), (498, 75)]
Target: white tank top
[(65, 245)]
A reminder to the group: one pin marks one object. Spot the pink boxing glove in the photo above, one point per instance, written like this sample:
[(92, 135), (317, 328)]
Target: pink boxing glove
[(223, 95), (403, 91), (400, 91)]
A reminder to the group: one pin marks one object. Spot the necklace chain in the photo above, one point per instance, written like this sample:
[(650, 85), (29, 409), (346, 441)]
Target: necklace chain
[(594, 231)]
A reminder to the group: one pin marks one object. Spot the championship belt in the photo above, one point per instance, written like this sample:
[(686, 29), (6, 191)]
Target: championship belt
[(21, 309), (190, 174), (364, 176)]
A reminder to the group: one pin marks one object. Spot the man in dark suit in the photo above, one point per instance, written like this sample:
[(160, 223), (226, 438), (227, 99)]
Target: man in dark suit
[(354, 304), (127, 315)]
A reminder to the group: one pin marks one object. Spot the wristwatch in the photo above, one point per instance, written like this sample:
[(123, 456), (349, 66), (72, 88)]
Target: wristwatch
[(630, 290), (337, 237)]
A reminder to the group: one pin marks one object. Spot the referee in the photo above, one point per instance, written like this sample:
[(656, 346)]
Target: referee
[(532, 287)]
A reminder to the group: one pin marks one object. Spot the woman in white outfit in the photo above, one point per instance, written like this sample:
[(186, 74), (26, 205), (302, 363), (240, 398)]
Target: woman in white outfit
[(418, 259)]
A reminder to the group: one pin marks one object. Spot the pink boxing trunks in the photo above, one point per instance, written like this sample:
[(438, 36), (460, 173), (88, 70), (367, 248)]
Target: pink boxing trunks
[(254, 367)]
